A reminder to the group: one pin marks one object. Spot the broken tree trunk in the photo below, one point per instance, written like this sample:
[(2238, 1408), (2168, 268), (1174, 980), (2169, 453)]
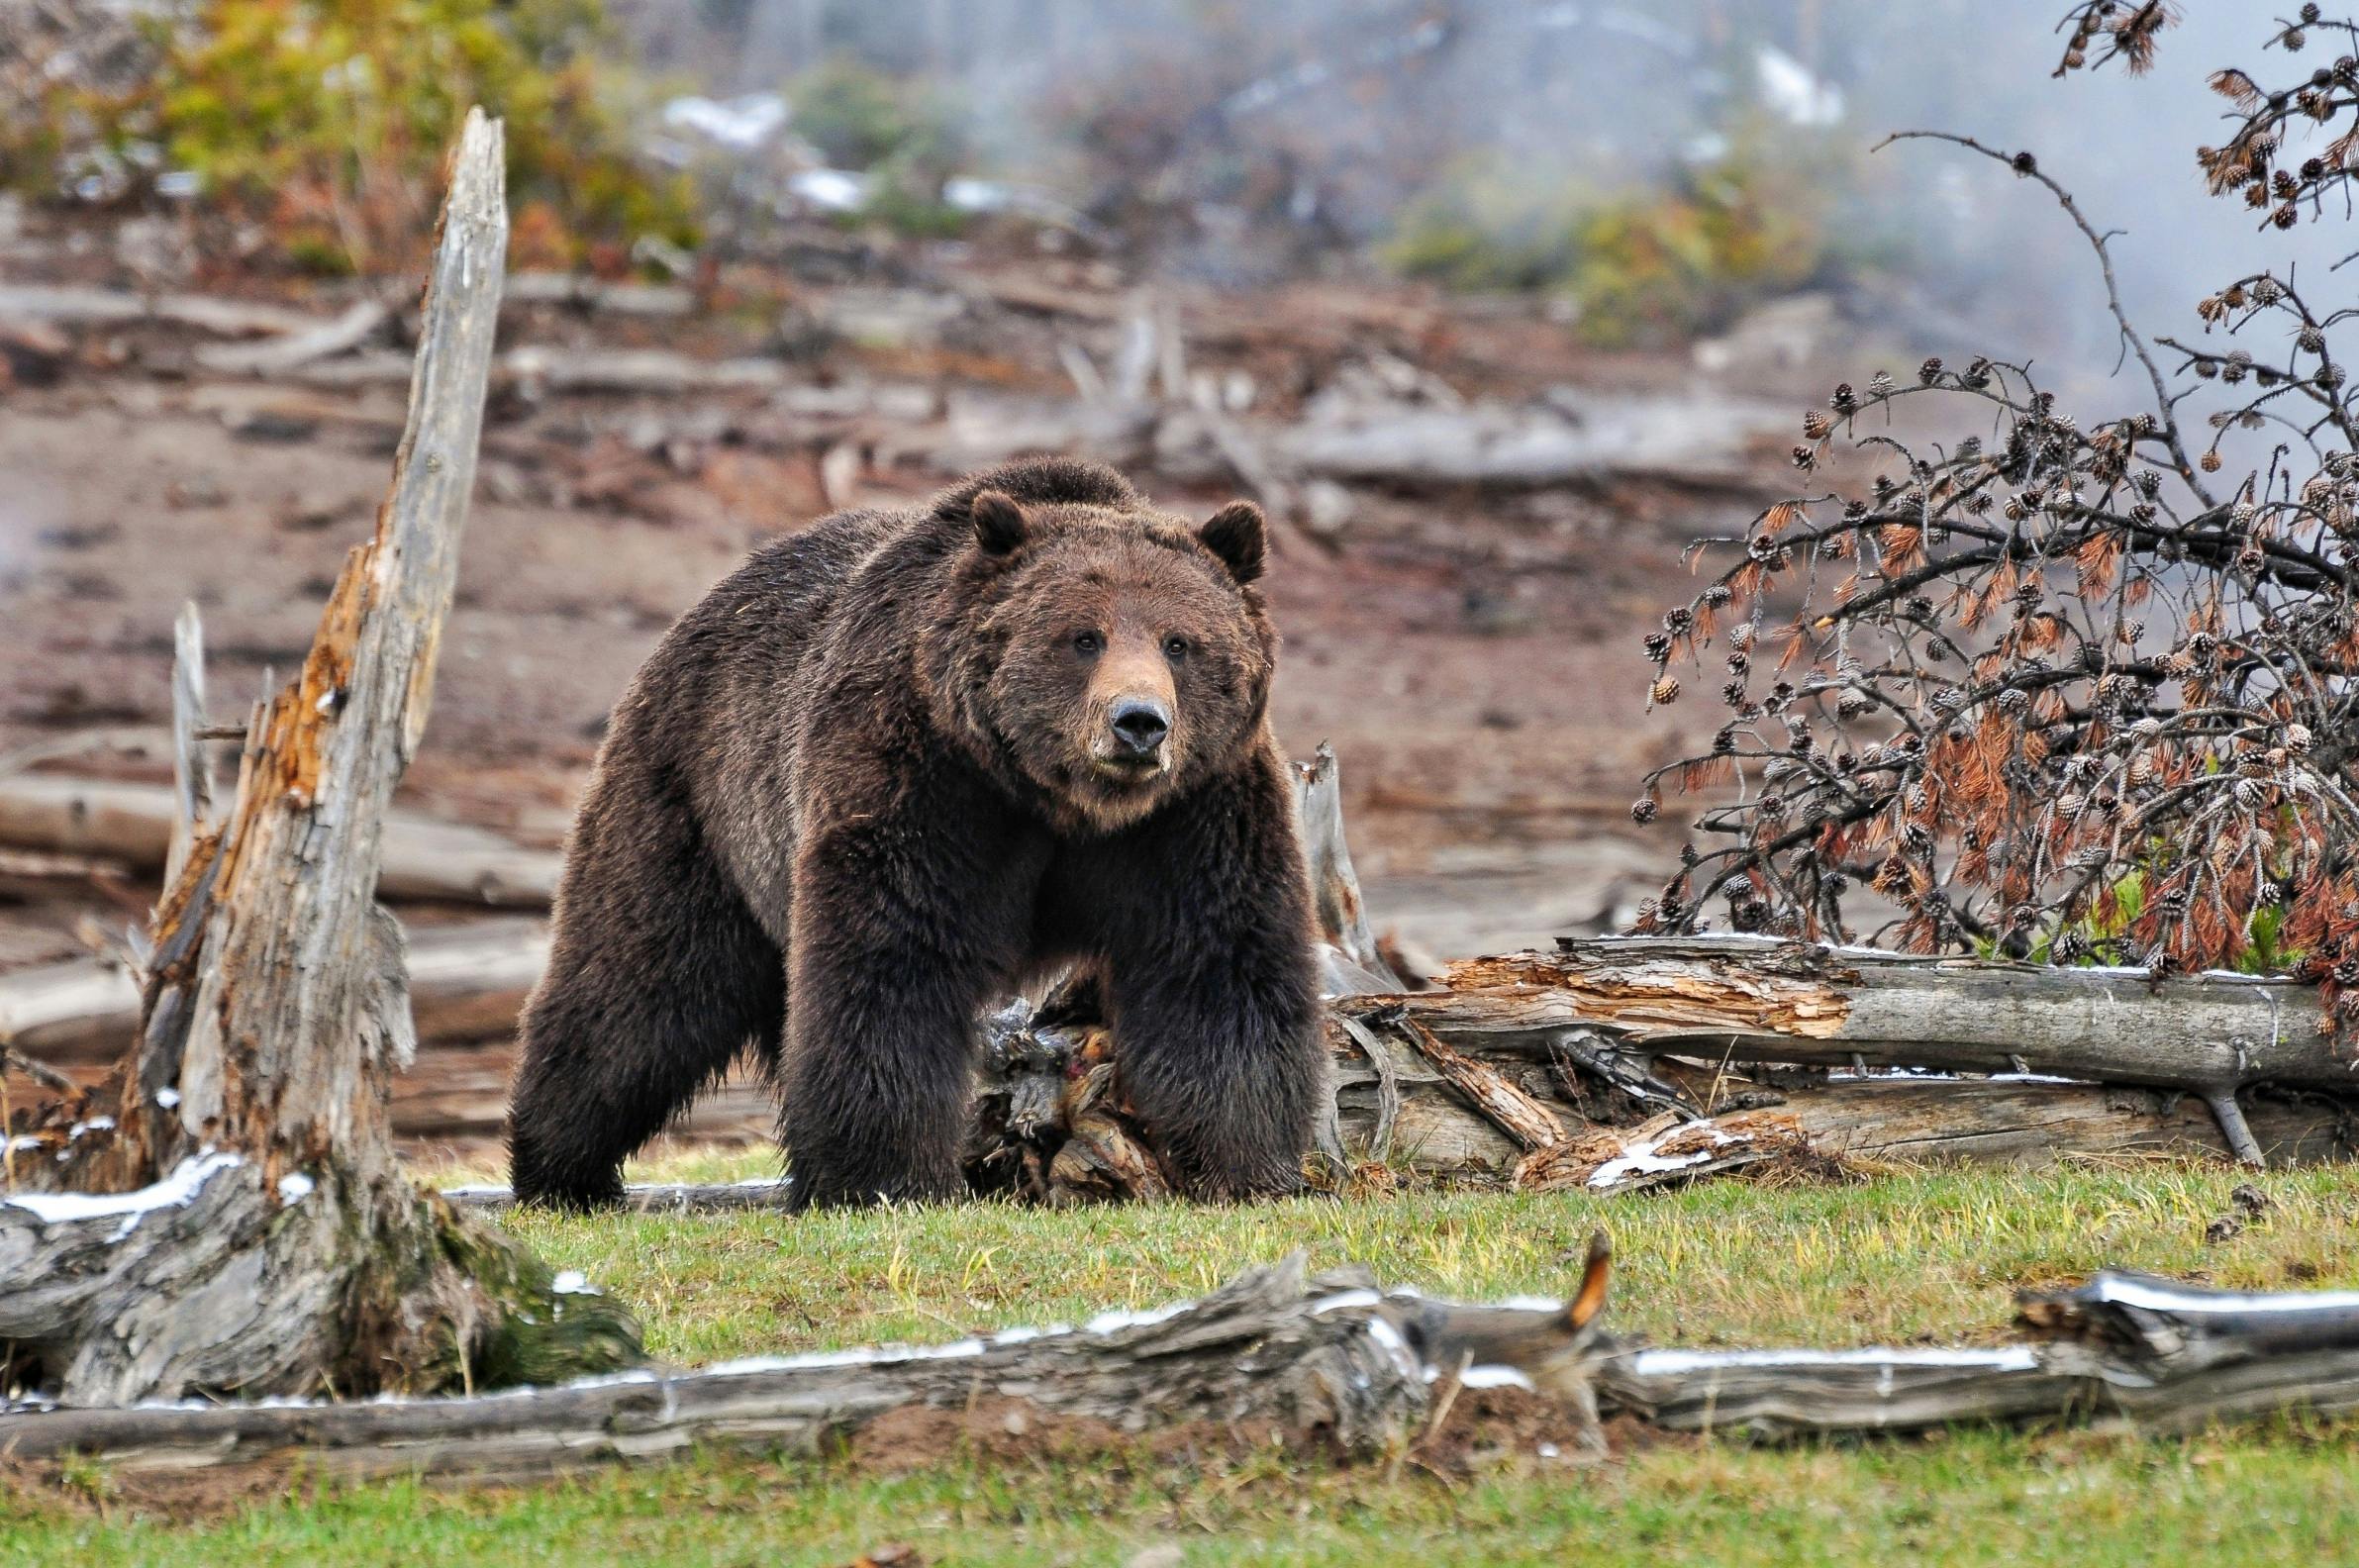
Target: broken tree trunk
[(237, 1223)]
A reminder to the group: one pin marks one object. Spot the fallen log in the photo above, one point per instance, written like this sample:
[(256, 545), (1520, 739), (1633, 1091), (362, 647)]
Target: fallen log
[(1327, 1363), (2121, 1351), (76, 305), (424, 860), (467, 983), (575, 292), (1256, 1356), (1752, 1000), (1697, 438), (360, 322), (226, 1217), (535, 370)]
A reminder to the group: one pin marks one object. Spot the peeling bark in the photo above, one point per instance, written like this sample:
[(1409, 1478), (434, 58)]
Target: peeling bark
[(1321, 1363), (238, 1224)]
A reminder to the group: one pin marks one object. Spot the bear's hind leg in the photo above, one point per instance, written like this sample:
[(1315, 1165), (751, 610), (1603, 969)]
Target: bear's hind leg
[(659, 977)]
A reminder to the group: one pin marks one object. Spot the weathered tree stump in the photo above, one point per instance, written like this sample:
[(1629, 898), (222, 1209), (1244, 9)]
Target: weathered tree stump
[(226, 1217)]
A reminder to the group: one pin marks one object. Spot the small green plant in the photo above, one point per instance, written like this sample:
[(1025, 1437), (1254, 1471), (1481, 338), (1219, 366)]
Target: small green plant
[(858, 116), (899, 132), (330, 119), (1641, 265)]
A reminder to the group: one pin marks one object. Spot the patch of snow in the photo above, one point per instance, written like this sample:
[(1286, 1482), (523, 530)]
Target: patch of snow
[(829, 190), (1547, 1450), (1644, 1161), (1107, 1323), (1389, 1340), (294, 1187), (177, 1190), (879, 1356), (1671, 1363), (574, 1281), (167, 1098), (2157, 1296), (1008, 1337), (1490, 1377), (94, 1124), (1792, 92), (740, 124), (1344, 1299)]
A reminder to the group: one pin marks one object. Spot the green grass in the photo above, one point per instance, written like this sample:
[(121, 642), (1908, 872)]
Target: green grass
[(1923, 1256)]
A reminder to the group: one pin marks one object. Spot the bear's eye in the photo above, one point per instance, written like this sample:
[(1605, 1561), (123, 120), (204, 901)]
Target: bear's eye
[(1175, 648), (1088, 643)]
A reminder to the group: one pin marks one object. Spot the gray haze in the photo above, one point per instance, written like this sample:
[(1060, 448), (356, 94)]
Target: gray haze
[(1373, 102)]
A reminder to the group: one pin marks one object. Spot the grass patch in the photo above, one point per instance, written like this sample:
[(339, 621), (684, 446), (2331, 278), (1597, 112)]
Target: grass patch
[(1932, 1256)]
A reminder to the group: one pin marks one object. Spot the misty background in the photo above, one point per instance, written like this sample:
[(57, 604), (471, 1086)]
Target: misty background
[(1301, 127)]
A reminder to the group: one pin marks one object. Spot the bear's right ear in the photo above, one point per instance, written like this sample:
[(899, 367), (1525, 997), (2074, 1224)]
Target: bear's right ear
[(999, 521), (1236, 535)]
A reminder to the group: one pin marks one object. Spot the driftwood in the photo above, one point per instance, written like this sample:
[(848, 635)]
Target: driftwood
[(132, 825), (1329, 1362), (235, 1222), (2123, 1350)]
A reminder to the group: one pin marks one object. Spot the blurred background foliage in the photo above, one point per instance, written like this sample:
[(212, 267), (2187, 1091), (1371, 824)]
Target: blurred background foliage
[(1643, 266), (331, 119)]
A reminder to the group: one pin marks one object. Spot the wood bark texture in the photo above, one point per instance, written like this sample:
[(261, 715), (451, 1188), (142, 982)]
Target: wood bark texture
[(235, 1222), (1326, 1363)]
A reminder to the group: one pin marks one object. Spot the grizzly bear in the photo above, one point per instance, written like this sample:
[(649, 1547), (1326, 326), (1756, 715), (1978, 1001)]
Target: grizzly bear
[(899, 764)]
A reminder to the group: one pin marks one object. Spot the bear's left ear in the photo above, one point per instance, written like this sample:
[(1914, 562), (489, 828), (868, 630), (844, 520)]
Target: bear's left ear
[(1239, 536), (998, 520)]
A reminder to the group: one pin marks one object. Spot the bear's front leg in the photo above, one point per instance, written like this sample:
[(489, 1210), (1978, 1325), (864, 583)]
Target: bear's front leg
[(904, 920), (1215, 991)]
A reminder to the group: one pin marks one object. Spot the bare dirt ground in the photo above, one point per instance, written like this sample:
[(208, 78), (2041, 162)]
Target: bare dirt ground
[(1470, 649)]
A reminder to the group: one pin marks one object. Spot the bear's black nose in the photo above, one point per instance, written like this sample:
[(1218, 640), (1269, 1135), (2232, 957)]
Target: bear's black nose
[(1140, 726)]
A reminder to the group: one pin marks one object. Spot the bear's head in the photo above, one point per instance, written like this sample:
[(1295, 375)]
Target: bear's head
[(1103, 659)]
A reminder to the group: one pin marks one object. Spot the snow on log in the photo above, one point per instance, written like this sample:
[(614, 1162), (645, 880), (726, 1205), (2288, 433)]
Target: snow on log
[(1329, 1363)]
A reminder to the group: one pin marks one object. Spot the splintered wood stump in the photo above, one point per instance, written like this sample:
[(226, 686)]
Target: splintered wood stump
[(226, 1216)]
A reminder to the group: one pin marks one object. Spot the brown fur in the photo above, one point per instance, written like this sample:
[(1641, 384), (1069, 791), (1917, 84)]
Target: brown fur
[(878, 772)]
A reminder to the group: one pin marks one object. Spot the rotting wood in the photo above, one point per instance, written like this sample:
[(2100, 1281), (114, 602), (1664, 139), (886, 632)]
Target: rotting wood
[(1329, 1363), (1516, 1113), (237, 1223), (192, 763), (1335, 888), (1665, 1151), (1750, 1000)]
